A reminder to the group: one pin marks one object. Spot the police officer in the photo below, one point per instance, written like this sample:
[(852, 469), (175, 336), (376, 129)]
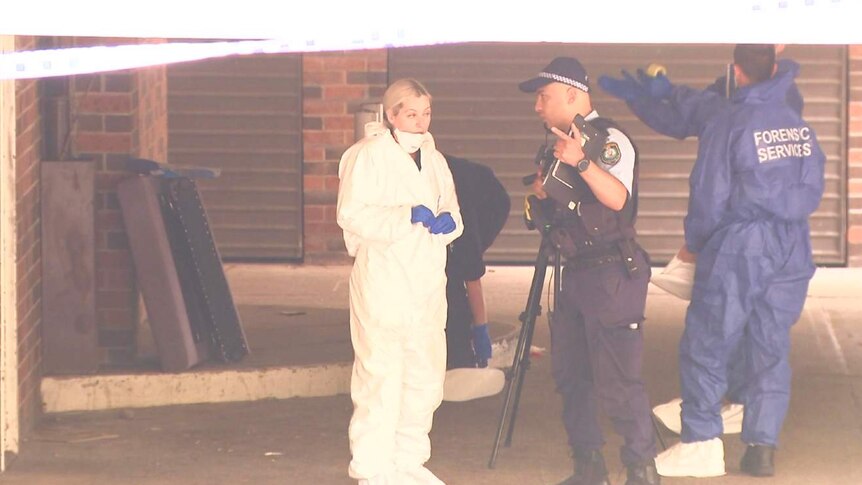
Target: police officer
[(596, 330), (757, 179)]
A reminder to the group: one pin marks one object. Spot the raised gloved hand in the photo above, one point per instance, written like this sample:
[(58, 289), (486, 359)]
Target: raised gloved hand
[(658, 86), (422, 214), (443, 224), (627, 88), (481, 344)]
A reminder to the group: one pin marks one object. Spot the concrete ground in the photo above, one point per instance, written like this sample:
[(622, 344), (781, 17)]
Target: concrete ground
[(296, 316)]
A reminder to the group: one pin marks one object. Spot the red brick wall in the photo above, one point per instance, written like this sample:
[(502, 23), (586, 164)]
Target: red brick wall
[(118, 114), (334, 85), (29, 262), (854, 157), (102, 107), (151, 104)]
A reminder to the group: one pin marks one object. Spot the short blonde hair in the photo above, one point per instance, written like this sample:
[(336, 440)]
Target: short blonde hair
[(398, 91)]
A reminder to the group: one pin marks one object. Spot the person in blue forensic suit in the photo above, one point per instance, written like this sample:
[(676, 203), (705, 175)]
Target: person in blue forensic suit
[(680, 112), (759, 175), (597, 326)]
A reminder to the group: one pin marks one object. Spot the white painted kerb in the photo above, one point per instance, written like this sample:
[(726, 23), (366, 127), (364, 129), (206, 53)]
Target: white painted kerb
[(92, 393)]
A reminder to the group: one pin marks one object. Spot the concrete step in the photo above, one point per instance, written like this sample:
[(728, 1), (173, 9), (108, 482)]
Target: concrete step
[(294, 352), (101, 392), (303, 349)]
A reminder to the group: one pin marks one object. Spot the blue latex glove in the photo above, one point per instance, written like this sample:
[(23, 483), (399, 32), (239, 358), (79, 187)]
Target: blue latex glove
[(481, 344), (659, 86), (422, 214), (627, 88), (443, 224)]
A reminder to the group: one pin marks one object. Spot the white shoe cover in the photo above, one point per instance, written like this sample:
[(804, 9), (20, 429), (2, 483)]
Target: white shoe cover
[(669, 414), (418, 476), (390, 478), (465, 384), (677, 278), (700, 459), (503, 353), (731, 417)]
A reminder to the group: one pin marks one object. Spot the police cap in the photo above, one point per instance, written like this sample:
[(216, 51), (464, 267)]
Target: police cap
[(566, 70)]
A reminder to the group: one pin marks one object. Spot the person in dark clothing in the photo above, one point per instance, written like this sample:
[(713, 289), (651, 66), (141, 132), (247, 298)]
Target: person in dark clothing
[(485, 208), (597, 326)]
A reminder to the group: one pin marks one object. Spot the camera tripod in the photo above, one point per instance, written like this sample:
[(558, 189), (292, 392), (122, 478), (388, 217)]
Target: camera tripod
[(516, 374), (521, 362)]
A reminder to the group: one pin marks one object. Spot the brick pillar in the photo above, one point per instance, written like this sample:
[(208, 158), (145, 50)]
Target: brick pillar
[(29, 244), (854, 158), (334, 85), (103, 133), (150, 100), (117, 115)]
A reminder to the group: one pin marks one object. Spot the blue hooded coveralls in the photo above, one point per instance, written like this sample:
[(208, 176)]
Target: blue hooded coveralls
[(759, 175), (685, 113)]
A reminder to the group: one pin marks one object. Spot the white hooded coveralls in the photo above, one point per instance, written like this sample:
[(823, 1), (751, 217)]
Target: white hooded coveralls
[(397, 299)]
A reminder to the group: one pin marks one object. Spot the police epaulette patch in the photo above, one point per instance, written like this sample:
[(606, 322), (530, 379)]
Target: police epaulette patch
[(611, 153)]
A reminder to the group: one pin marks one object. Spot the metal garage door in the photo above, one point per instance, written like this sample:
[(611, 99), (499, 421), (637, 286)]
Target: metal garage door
[(480, 114), (244, 116)]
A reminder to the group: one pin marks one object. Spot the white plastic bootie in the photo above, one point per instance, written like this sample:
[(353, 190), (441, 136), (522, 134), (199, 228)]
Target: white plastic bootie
[(677, 278), (503, 353), (731, 416), (700, 459), (419, 476), (389, 478), (669, 414), (469, 383)]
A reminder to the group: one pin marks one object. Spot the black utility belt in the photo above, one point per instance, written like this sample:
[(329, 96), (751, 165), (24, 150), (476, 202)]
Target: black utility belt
[(587, 261), (622, 251)]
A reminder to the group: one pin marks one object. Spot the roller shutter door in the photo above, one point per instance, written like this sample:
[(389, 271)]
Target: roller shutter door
[(479, 114), (243, 115)]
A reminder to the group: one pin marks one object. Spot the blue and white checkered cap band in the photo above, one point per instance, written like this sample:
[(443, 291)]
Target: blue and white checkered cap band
[(565, 80)]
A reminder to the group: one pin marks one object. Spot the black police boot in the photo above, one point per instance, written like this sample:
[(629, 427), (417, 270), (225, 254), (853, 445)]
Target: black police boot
[(758, 461), (589, 469), (643, 474)]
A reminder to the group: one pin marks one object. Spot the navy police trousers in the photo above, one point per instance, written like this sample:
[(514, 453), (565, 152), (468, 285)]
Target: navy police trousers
[(596, 356)]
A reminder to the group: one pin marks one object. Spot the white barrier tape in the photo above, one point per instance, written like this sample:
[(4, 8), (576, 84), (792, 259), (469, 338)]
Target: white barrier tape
[(86, 60), (779, 21)]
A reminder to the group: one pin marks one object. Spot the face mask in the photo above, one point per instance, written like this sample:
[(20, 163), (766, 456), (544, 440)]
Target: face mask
[(410, 142)]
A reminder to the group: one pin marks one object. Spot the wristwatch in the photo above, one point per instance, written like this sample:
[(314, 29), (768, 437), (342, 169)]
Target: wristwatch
[(583, 165)]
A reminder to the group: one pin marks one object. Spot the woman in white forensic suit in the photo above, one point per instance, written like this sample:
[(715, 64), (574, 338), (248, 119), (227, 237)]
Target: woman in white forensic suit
[(398, 209)]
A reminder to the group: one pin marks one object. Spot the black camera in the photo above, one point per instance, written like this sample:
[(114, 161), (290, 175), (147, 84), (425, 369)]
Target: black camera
[(592, 138), (561, 179), (538, 213)]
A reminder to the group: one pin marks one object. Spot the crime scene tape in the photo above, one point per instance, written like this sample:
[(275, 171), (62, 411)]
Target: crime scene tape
[(444, 22), (85, 60)]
